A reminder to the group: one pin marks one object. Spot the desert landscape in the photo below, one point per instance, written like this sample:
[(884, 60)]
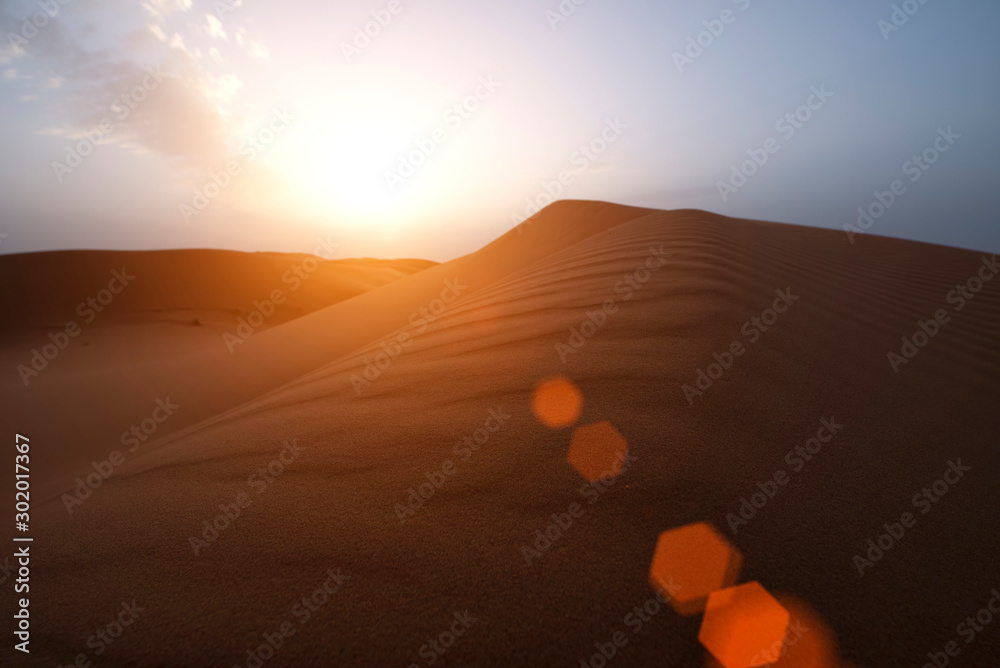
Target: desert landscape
[(526, 333), (315, 467)]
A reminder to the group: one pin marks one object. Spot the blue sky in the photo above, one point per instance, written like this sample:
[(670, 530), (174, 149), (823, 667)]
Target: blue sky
[(266, 125)]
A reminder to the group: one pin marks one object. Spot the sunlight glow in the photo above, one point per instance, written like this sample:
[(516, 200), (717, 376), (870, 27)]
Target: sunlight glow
[(335, 158)]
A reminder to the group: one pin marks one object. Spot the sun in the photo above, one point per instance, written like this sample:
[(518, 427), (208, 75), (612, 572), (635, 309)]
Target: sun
[(339, 170), (335, 160)]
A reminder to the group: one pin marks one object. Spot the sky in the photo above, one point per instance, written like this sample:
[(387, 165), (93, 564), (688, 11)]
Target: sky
[(427, 128)]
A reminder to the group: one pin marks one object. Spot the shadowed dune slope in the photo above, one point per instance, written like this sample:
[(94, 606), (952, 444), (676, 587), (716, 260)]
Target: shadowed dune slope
[(44, 290), (365, 446)]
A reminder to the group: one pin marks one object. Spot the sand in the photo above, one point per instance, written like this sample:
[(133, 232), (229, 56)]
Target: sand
[(360, 443), (161, 335)]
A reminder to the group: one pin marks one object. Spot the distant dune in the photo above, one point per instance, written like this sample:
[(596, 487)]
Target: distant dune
[(45, 289), (379, 388)]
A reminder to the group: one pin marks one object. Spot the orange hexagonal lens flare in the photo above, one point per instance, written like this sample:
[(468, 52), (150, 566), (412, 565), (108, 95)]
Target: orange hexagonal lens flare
[(557, 402), (809, 641), (598, 451), (691, 562), (744, 626)]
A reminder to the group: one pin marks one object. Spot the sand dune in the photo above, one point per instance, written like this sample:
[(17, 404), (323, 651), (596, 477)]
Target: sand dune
[(365, 436), (147, 326), (205, 373), (44, 290)]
